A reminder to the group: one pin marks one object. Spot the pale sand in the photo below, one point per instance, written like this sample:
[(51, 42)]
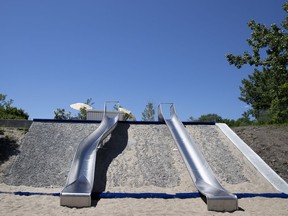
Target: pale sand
[(11, 204)]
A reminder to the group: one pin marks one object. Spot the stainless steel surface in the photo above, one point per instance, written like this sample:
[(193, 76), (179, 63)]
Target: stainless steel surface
[(98, 115), (218, 198), (257, 162), (78, 188)]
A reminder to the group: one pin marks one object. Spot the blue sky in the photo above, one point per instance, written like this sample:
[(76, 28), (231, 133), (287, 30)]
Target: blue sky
[(55, 53)]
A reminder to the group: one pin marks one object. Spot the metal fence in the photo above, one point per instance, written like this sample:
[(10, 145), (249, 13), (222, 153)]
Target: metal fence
[(97, 115)]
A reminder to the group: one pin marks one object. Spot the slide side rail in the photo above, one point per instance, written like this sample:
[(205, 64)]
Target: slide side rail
[(78, 188), (218, 198)]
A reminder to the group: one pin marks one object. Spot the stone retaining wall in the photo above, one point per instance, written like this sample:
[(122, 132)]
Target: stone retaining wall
[(134, 155)]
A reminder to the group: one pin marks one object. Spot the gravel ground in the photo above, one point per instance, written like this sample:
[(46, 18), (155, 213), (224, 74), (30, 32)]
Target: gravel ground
[(46, 154), (133, 155), (147, 158), (215, 148), (47, 151)]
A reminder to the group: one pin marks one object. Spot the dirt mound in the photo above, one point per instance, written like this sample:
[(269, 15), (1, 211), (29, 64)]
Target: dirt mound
[(10, 140), (270, 143)]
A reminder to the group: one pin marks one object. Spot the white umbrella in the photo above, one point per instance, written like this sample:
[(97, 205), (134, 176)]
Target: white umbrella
[(121, 109), (79, 106), (128, 112)]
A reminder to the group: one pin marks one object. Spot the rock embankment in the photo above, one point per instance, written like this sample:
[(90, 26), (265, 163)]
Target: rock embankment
[(134, 156)]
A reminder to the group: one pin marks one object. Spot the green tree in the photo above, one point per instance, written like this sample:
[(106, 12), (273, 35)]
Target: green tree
[(266, 89), (83, 113), (62, 114), (210, 118), (4, 103), (149, 112), (243, 121), (9, 112), (127, 114), (191, 118)]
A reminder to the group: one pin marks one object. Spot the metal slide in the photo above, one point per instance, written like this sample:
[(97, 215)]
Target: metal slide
[(79, 184), (218, 199)]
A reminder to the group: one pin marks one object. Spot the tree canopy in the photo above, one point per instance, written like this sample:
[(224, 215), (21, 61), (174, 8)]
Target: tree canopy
[(61, 113), (7, 111), (266, 89), (83, 113), (149, 112), (210, 118)]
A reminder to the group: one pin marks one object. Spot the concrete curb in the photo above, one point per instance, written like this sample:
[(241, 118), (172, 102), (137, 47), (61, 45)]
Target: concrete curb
[(254, 158)]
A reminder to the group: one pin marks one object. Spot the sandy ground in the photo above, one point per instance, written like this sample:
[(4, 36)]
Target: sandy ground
[(49, 205), (252, 183)]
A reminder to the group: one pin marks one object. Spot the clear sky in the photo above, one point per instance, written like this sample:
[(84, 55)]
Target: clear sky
[(58, 52)]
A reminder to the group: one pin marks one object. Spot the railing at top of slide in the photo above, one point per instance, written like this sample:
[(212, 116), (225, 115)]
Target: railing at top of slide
[(218, 199)]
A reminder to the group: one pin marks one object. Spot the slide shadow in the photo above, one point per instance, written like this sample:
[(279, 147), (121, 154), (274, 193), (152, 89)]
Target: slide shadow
[(105, 155), (8, 148)]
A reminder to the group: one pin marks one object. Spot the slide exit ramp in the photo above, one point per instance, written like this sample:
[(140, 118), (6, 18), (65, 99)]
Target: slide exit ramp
[(78, 188), (217, 198)]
